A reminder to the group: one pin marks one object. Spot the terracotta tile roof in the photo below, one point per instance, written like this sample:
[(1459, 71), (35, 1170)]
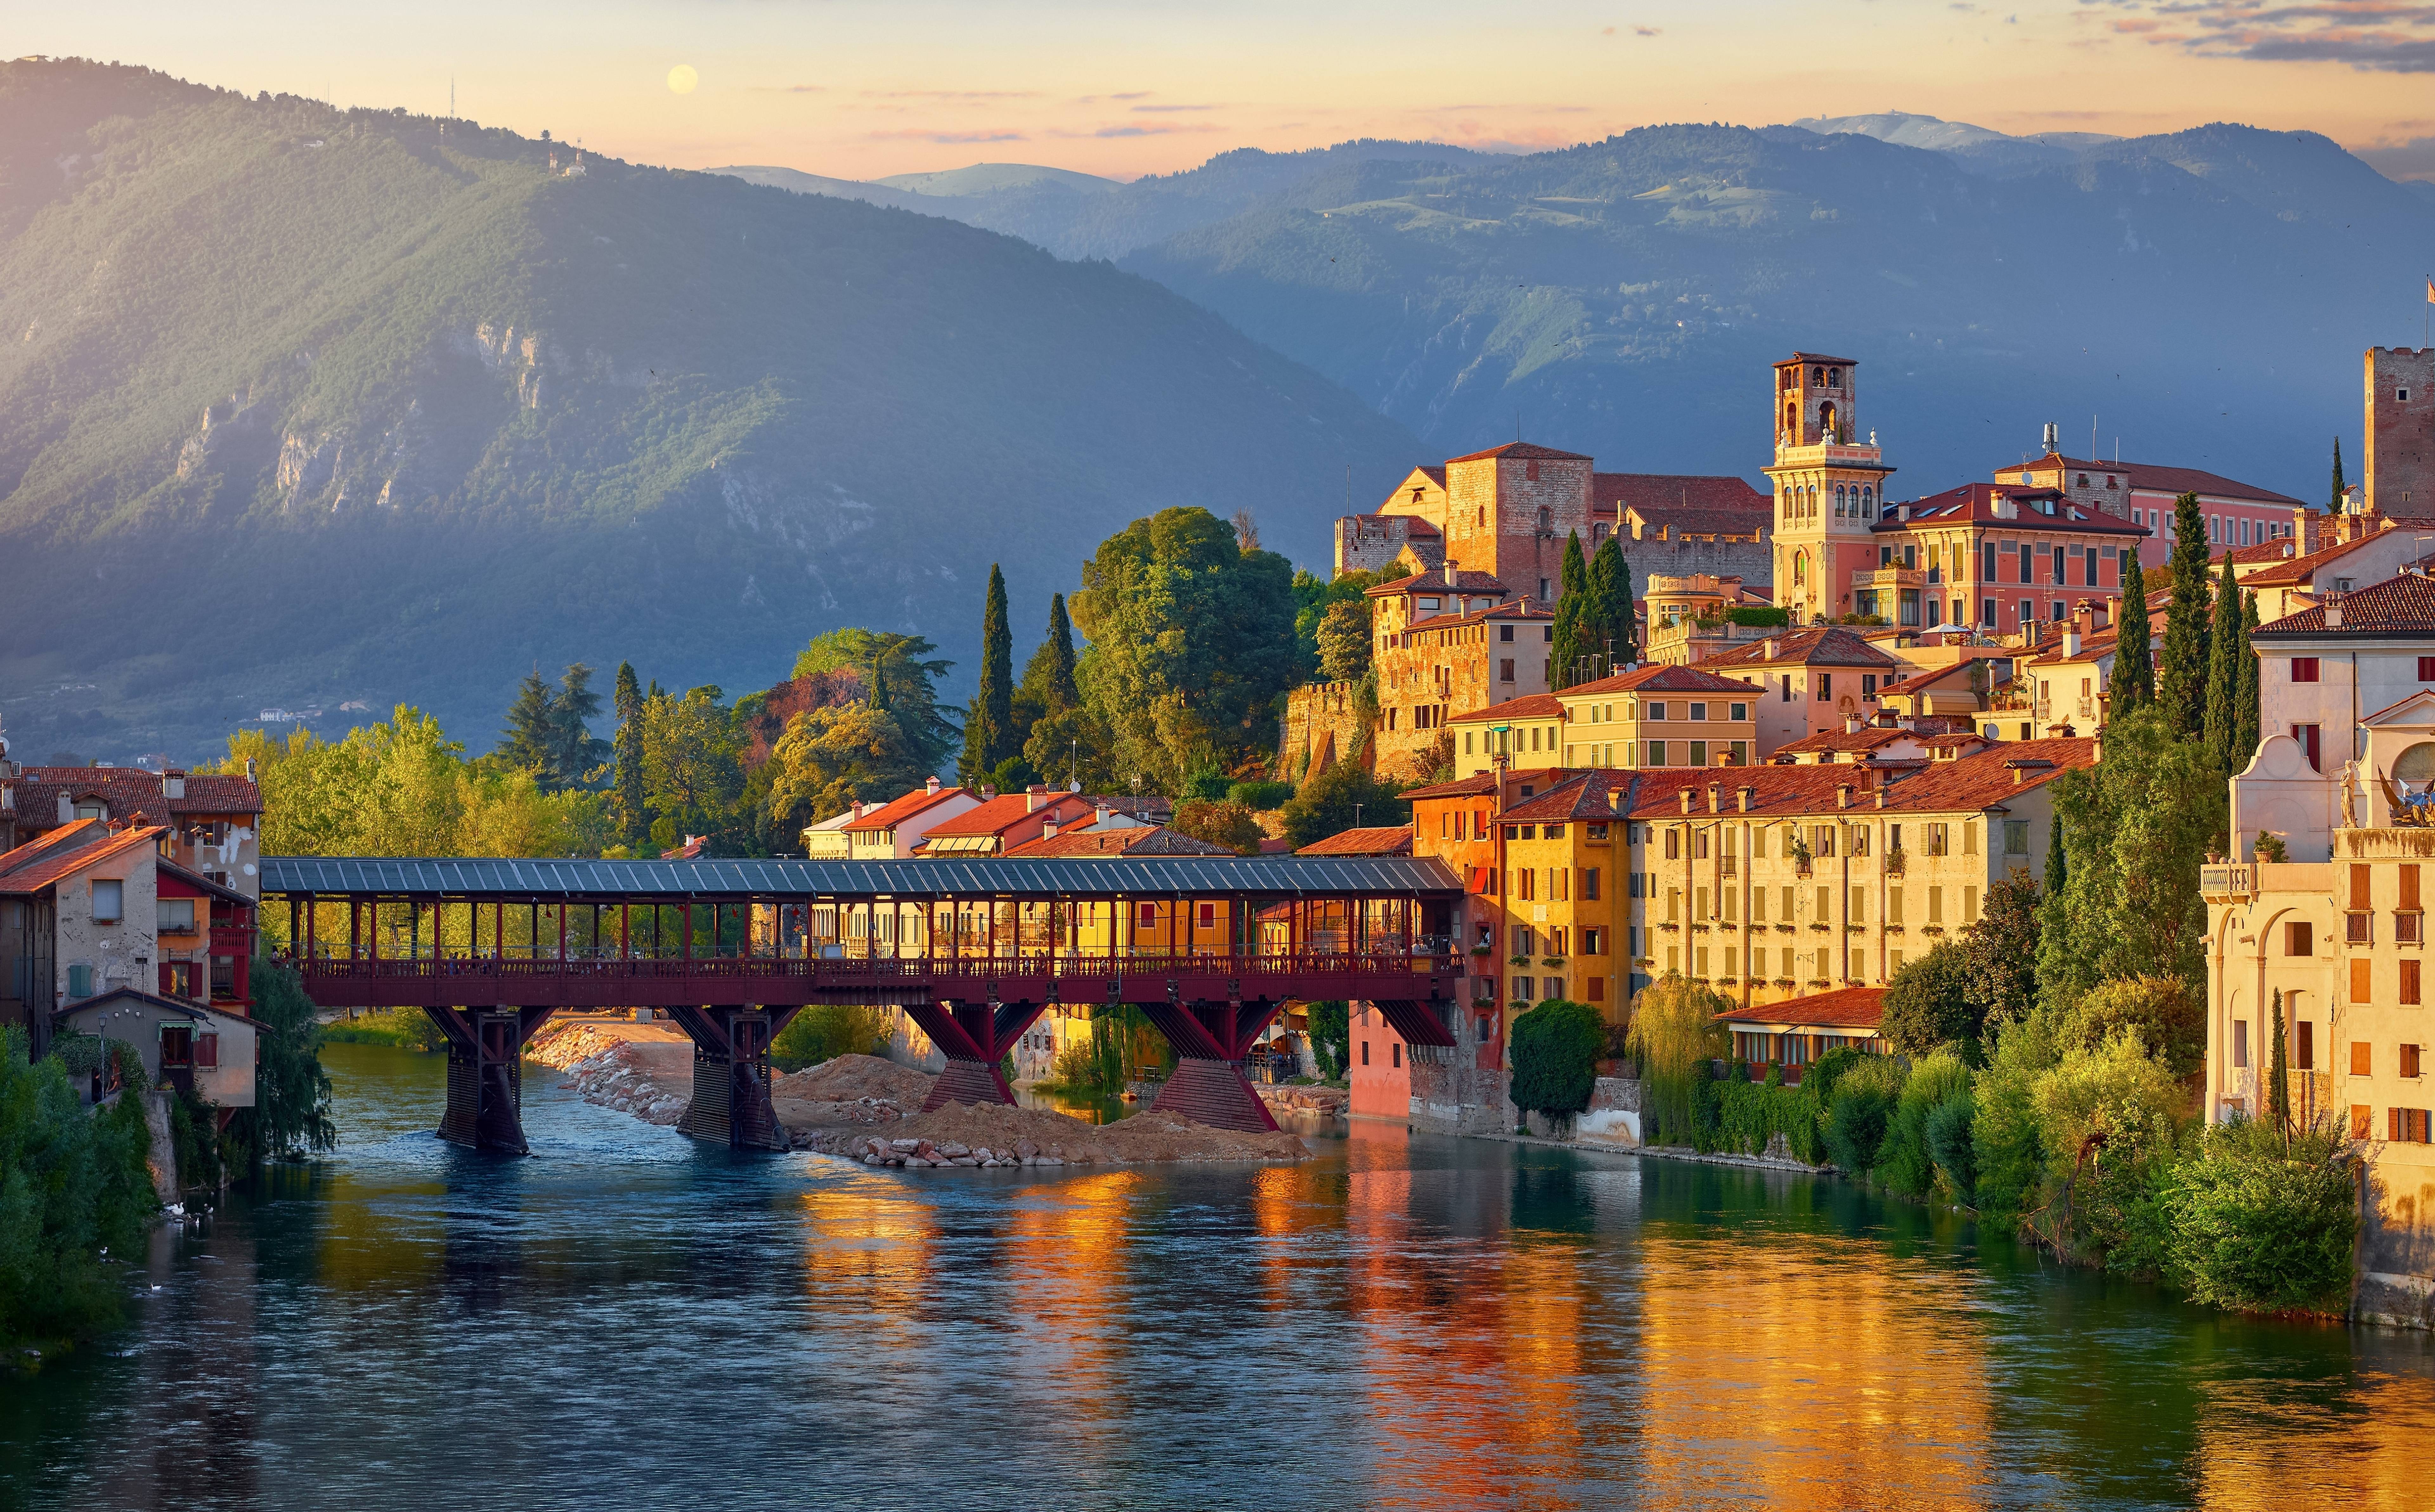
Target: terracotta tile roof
[(1831, 645), (2092, 647), (130, 793), (1599, 794), (2281, 548), (1526, 451), (1004, 813), (1534, 706), (1140, 840), (1374, 840), (2300, 569), (52, 858), (1517, 609), (1816, 356), (1873, 737), (1974, 504), (1661, 677), (1275, 846), (1686, 504), (2398, 606), (1988, 778), (1779, 791), (1480, 783), (896, 811), (1413, 524), (1466, 581), (2153, 478), (1845, 1007)]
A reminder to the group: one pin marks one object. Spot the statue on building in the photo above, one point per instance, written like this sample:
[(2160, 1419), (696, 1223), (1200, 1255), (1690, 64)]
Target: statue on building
[(2350, 794)]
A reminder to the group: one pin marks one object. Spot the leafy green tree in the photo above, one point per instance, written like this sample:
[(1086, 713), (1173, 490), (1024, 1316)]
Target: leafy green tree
[(1861, 1111), (1191, 642), (1905, 1160), (291, 1110), (633, 811), (2001, 951), (2136, 827), (1344, 642), (1314, 595), (693, 768), (1556, 1049), (1340, 799), (575, 753), (2226, 651), (1071, 748), (829, 759), (1220, 822), (1049, 686), (989, 735), (2006, 1135), (73, 1183), (902, 677), (2182, 672), (2133, 683), (828, 1030), (2169, 1018), (2109, 1120), (1331, 1039), (1927, 1003), (1572, 604)]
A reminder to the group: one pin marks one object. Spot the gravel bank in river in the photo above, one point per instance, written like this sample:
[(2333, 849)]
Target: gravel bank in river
[(841, 1106)]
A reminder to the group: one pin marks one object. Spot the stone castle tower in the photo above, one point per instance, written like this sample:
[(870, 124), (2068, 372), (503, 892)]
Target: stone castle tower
[(1829, 487), (2401, 430)]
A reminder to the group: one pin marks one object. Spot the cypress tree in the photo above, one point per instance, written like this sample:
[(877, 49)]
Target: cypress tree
[(2278, 1087), (989, 730), (2244, 730), (2056, 875), (2340, 487), (634, 816), (2181, 671), (1611, 591), (2221, 719), (1572, 604), (2133, 682), (1048, 678)]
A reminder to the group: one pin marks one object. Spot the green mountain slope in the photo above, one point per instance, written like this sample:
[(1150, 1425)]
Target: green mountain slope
[(301, 407)]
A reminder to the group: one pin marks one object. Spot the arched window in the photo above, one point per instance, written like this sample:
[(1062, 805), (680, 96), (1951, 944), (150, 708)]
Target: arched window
[(1483, 516), (1546, 518), (1838, 501), (1868, 501), (1826, 422), (1834, 377), (1792, 419), (1818, 377), (1800, 567)]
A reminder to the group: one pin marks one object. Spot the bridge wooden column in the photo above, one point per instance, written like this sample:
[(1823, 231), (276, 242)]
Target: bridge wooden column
[(485, 1095), (731, 1075)]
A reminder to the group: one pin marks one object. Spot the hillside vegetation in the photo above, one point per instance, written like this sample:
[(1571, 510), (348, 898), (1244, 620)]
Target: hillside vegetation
[(302, 407)]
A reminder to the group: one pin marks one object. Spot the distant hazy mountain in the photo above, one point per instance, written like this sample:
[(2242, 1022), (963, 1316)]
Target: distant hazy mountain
[(812, 184), (304, 407), (992, 177), (2203, 295), (1973, 147)]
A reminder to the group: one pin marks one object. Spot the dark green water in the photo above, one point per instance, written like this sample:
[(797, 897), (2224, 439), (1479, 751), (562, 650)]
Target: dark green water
[(631, 1321)]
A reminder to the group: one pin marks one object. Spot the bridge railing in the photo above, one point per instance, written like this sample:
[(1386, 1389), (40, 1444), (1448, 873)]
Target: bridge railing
[(905, 968)]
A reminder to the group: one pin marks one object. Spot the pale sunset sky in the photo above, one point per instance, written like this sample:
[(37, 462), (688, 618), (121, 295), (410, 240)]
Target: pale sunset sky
[(858, 89)]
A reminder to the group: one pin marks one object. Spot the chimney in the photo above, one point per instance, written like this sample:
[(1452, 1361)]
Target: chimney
[(1452, 579), (1769, 648), (1747, 796), (1851, 724), (1716, 798), (1843, 796), (1684, 794), (2071, 641), (1881, 794), (173, 784), (1048, 830), (2333, 611), (931, 786), (8, 800), (67, 812), (1100, 815), (2049, 442), (1031, 796)]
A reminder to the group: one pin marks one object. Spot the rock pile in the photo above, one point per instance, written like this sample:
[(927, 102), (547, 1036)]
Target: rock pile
[(625, 1077), (1330, 1101), (922, 1152)]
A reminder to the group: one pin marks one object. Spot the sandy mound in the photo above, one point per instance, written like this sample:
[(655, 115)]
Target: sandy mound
[(993, 1134), (850, 1078)]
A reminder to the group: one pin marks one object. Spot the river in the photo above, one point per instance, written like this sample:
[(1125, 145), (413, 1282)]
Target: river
[(629, 1320)]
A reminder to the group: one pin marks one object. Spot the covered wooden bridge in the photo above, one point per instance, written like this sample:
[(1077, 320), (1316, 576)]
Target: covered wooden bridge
[(1209, 948)]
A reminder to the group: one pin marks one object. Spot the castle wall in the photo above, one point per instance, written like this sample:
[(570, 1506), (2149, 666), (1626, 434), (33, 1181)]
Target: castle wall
[(1493, 521), (1322, 727)]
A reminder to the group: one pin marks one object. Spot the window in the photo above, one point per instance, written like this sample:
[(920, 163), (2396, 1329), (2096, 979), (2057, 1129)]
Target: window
[(1145, 914), (1788, 688), (1825, 687), (2410, 983), (2426, 669), (1593, 942), (1739, 712), (1655, 711), (2305, 1057), (1656, 755), (109, 901), (80, 980), (2361, 876), (1365, 1051), (2296, 939), (2017, 837), (1699, 753), (1522, 989), (1505, 669), (1505, 632), (1208, 915), (1699, 713), (177, 915), (2307, 737), (2304, 668), (2240, 1042), (2360, 1116), (91, 808), (2362, 981), (2409, 1060), (2409, 1126), (1936, 906), (1590, 882)]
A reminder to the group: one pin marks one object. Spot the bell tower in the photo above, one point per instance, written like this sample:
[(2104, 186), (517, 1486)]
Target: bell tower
[(1829, 486)]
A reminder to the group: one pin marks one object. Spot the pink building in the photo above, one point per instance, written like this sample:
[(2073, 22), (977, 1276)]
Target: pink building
[(1382, 1080)]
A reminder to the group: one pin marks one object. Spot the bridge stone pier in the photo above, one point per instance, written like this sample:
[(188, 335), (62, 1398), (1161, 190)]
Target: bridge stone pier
[(1209, 948)]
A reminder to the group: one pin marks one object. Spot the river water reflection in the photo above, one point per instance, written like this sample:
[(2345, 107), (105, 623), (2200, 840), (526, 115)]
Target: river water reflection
[(629, 1320)]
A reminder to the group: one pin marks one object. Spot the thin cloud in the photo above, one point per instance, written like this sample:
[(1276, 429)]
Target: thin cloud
[(2413, 159), (1154, 109), (946, 138), (2372, 36), (949, 93), (786, 89), (1146, 129)]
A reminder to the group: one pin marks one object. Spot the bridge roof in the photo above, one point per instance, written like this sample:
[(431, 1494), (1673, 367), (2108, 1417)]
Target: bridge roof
[(979, 876)]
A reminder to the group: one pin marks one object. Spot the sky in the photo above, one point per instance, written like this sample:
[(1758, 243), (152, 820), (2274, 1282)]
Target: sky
[(859, 88)]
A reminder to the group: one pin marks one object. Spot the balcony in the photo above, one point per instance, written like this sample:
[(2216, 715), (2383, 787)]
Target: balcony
[(1885, 578), (2228, 883), (2359, 928), (2408, 927)]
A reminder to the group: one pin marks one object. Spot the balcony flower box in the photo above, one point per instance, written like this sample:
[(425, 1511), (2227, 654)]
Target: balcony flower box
[(1556, 961)]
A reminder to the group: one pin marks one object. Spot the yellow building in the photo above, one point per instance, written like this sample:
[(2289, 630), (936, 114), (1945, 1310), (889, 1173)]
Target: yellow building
[(1524, 731), (1563, 896), (1660, 716)]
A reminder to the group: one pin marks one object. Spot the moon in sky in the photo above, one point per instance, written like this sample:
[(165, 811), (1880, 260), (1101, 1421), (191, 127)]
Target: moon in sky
[(682, 78)]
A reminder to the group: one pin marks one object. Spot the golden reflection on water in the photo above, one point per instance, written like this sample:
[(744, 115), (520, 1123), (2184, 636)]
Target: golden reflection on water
[(1810, 1371), (866, 1256)]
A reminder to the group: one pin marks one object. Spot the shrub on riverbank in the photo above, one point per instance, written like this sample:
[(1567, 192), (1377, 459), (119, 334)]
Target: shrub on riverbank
[(291, 1092), (406, 1028), (2262, 1222), (828, 1030), (74, 1184), (1556, 1051), (1674, 1036)]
